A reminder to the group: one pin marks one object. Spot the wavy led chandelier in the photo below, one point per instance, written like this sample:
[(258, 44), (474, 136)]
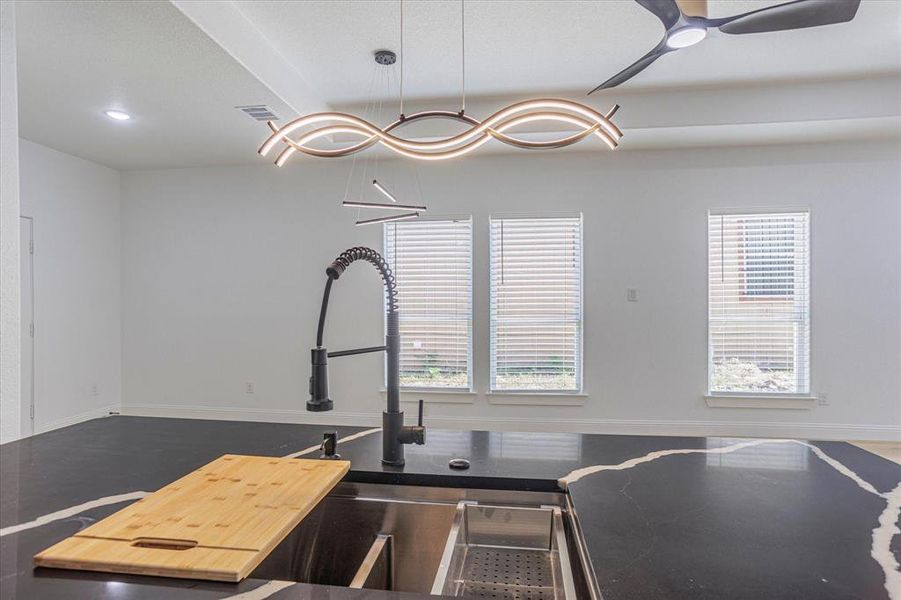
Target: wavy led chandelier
[(588, 120)]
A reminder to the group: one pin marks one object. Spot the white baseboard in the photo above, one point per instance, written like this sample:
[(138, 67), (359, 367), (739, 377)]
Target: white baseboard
[(270, 415), (814, 431), (103, 411)]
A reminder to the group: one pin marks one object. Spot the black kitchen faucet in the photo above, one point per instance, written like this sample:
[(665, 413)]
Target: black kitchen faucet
[(394, 433)]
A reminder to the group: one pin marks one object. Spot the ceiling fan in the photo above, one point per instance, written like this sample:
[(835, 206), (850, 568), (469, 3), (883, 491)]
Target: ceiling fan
[(686, 24)]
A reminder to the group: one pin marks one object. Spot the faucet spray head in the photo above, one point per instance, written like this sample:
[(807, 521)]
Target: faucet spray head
[(319, 400)]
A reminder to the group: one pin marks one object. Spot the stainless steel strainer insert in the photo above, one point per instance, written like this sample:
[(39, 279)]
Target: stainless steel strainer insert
[(506, 553)]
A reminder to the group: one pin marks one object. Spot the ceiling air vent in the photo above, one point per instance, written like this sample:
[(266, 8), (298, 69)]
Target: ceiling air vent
[(260, 112)]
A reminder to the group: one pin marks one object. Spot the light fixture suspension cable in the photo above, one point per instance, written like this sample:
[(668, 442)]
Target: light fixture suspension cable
[(463, 54), (401, 59), (353, 163)]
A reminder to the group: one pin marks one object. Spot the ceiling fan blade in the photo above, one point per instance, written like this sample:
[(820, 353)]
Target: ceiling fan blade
[(791, 15), (635, 68), (666, 10)]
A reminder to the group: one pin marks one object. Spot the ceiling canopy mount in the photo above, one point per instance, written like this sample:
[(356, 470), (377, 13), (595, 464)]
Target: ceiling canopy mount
[(385, 57)]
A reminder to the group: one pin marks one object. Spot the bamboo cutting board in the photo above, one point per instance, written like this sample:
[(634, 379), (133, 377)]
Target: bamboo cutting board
[(218, 522)]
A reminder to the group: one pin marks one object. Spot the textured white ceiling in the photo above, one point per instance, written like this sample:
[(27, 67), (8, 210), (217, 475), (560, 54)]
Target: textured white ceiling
[(76, 59), (534, 46), (160, 62)]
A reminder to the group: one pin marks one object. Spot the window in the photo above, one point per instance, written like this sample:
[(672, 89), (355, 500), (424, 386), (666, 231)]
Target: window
[(759, 302), (767, 257), (536, 304), (432, 263)]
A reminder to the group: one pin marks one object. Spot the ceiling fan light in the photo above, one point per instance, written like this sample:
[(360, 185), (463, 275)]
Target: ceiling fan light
[(685, 37), (117, 115)]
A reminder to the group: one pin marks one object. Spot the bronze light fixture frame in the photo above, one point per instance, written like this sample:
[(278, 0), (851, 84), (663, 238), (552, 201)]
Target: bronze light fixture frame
[(588, 120)]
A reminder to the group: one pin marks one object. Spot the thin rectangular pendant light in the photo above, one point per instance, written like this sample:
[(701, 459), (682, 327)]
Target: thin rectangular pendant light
[(356, 204), (382, 189), (402, 217)]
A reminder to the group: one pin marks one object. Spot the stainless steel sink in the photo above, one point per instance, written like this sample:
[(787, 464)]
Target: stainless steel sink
[(444, 541), (330, 544)]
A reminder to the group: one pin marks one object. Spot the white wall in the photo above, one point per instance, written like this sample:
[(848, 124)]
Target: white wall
[(77, 284), (9, 227), (223, 274)]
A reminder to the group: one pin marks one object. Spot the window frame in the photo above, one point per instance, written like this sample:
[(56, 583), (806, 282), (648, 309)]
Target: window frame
[(524, 394), (759, 399), (470, 370)]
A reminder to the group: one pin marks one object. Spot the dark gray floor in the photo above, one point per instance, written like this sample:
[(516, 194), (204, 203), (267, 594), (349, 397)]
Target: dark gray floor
[(773, 520)]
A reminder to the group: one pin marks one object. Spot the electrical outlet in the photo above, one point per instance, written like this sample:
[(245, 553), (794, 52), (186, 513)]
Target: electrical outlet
[(823, 399), (631, 295), (248, 387), (95, 389)]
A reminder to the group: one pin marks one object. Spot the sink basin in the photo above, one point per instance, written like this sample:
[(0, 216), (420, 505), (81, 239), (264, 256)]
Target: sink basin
[(445, 541), (332, 541)]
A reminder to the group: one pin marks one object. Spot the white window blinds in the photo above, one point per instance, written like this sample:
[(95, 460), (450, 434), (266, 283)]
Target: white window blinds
[(536, 304), (759, 302), (432, 263)]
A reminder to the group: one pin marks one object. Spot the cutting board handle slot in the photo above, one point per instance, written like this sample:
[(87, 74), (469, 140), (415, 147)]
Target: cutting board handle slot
[(164, 543)]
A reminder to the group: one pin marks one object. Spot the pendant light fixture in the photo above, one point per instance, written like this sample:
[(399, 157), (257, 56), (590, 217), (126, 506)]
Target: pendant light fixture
[(297, 135), (403, 217), (382, 189), (355, 204), (382, 58)]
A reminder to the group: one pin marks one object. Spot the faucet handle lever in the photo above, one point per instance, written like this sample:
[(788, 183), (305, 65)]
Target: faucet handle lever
[(411, 434), (329, 445)]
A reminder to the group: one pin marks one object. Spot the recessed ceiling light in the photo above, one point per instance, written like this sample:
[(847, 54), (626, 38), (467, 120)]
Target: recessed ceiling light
[(687, 36), (117, 115)]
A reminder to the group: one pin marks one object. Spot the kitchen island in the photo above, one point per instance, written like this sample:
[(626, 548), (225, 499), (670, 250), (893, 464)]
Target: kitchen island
[(660, 517)]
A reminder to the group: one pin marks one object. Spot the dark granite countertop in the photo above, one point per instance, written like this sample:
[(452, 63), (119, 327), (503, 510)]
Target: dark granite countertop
[(662, 517)]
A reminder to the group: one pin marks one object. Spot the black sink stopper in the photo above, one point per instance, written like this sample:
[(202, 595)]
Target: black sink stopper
[(458, 463)]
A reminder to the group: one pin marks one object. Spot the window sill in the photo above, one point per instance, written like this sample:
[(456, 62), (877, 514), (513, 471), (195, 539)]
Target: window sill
[(537, 398), (760, 401), (435, 396)]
